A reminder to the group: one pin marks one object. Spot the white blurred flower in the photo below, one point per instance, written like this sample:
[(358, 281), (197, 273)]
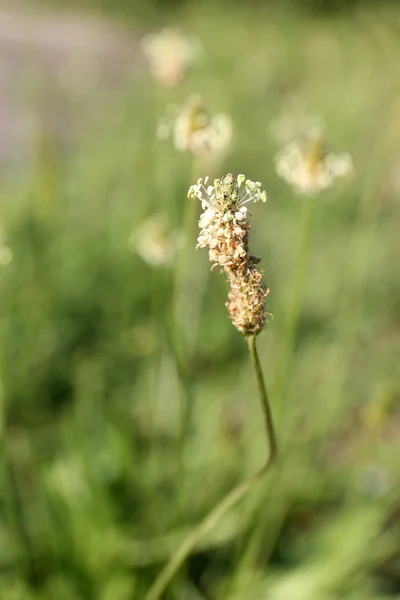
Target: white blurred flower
[(194, 130), (154, 242), (169, 54), (308, 167)]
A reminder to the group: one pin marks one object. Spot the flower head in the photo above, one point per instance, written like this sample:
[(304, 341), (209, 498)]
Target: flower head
[(194, 130), (308, 167), (225, 226), (169, 54), (153, 241)]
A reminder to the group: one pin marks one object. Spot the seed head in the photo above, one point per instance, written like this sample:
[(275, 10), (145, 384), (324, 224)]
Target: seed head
[(225, 226)]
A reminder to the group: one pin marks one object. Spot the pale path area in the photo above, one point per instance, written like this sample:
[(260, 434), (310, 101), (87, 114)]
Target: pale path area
[(56, 70)]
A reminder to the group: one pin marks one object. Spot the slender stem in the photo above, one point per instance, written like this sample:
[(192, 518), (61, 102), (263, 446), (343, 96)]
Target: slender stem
[(212, 518), (265, 405)]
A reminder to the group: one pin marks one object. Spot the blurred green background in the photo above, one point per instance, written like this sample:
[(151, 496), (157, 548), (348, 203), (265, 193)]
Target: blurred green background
[(128, 403)]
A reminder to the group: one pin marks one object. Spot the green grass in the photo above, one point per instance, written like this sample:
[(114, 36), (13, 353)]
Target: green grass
[(122, 427)]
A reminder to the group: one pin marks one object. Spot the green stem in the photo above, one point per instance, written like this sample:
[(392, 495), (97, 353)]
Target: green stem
[(212, 518), (265, 405)]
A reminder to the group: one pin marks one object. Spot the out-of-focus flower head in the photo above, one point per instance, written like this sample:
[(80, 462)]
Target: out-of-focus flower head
[(308, 167), (169, 54), (194, 130), (155, 243)]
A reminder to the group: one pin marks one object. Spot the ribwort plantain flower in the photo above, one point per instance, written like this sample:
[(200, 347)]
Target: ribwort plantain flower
[(169, 54), (308, 167), (195, 131), (225, 227)]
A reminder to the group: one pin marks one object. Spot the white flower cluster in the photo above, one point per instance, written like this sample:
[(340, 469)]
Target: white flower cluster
[(154, 242), (225, 216), (216, 195), (169, 54), (308, 168), (194, 130)]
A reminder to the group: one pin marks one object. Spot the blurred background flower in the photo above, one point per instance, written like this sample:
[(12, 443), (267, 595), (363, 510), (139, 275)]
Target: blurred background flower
[(308, 167), (170, 53), (194, 130)]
